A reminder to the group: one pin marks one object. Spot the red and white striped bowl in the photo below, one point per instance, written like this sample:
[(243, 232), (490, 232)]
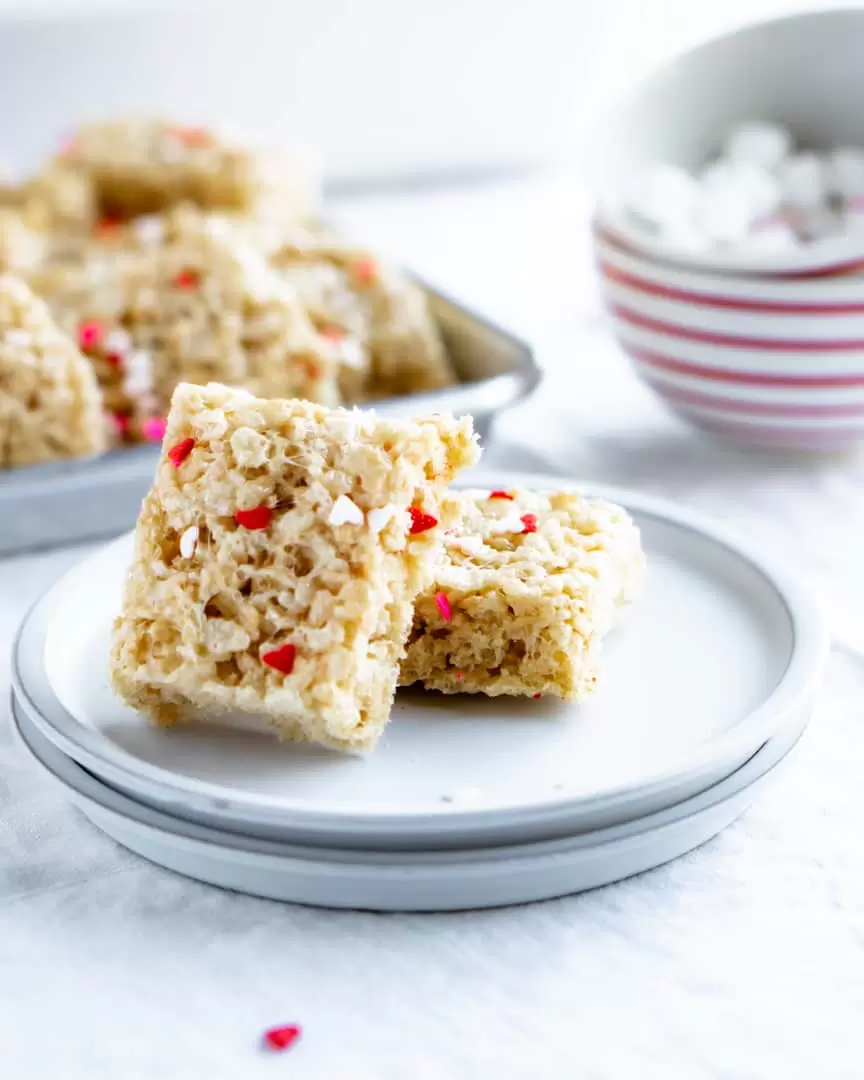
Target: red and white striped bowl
[(765, 361)]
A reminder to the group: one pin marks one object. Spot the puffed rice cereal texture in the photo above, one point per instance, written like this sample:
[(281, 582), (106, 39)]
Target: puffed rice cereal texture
[(50, 404), (320, 583), (531, 585), (139, 166), (190, 308)]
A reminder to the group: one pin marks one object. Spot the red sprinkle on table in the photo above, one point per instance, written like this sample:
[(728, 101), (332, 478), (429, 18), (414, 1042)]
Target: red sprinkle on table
[(500, 495), (90, 334), (282, 659), (536, 696), (443, 605), (529, 522), (366, 269), (180, 451), (186, 279), (420, 520), (257, 518), (282, 1038)]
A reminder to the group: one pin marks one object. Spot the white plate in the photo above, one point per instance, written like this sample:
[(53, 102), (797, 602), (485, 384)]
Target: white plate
[(406, 880), (720, 652)]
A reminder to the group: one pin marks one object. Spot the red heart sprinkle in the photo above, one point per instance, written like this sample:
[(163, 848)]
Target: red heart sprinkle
[(186, 279), (178, 453), (282, 659), (107, 227), (282, 1038), (90, 334), (333, 333), (153, 428), (443, 605), (366, 269), (193, 136), (420, 520), (500, 495), (115, 359), (536, 696), (255, 519), (120, 424), (529, 522)]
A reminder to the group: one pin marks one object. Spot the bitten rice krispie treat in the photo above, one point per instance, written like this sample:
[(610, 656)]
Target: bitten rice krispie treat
[(50, 405), (142, 166), (187, 310), (389, 341), (528, 586), (277, 559)]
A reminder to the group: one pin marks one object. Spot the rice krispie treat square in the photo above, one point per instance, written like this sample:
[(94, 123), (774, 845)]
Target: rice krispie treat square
[(147, 165), (389, 341), (277, 558), (50, 404), (528, 586), (22, 248), (187, 309)]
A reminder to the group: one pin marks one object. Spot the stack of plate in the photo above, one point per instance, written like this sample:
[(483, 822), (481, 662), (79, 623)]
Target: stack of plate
[(467, 802)]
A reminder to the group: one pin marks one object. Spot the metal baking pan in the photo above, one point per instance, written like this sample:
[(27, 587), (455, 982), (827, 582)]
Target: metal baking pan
[(69, 502)]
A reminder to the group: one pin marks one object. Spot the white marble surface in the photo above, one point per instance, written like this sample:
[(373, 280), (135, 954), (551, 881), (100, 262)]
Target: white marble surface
[(743, 960)]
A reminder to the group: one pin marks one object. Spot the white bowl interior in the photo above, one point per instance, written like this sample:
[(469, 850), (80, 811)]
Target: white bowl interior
[(804, 72)]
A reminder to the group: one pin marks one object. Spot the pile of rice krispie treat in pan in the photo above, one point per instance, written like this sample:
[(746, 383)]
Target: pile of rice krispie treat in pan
[(297, 562), (165, 255)]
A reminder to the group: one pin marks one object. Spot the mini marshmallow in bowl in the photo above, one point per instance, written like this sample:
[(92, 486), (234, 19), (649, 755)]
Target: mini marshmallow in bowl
[(761, 195)]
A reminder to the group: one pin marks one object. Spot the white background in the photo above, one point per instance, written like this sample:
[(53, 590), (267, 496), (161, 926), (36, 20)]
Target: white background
[(376, 85)]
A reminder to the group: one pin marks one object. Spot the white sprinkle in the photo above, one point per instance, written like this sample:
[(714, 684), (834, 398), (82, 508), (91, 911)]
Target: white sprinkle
[(380, 516), (171, 149), (150, 230), (118, 341), (189, 541), (14, 336), (468, 545), (512, 523), (139, 374), (218, 227), (351, 353), (345, 512)]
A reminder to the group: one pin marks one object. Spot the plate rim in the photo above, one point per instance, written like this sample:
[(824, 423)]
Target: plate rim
[(795, 689), (82, 784)]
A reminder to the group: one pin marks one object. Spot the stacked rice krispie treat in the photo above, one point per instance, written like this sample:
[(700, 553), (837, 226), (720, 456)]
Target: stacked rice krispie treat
[(528, 586), (171, 254), (50, 405), (188, 308), (141, 166), (381, 318), (277, 559)]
